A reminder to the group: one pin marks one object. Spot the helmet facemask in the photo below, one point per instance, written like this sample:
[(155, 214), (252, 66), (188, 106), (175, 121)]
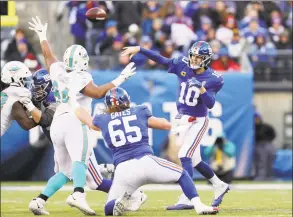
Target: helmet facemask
[(198, 61)]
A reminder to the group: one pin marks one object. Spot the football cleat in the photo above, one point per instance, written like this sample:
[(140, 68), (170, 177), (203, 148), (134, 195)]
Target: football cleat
[(77, 200), (136, 200), (220, 191), (206, 210), (37, 207), (120, 204), (183, 204)]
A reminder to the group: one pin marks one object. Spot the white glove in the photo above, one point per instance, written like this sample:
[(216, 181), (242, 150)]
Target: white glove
[(26, 102), (25, 93), (39, 28), (127, 72)]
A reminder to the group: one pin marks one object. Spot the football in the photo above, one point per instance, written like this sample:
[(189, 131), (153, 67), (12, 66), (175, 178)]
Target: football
[(95, 14)]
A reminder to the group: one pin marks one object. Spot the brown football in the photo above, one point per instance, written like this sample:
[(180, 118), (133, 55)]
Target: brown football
[(95, 14)]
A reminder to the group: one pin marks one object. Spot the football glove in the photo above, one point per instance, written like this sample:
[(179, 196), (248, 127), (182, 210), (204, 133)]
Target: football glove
[(126, 73), (39, 28), (27, 103)]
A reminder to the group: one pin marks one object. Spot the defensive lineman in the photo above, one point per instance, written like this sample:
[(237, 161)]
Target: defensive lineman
[(42, 108), (198, 87), (73, 90), (125, 130)]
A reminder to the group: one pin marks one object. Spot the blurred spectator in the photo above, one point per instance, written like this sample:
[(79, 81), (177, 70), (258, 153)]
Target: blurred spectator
[(169, 50), (276, 28), (107, 37), (127, 13), (222, 155), (12, 46), (23, 55), (139, 58), (205, 10), (206, 25), (211, 35), (284, 42), (216, 46), (168, 9), (253, 30), (264, 149), (220, 8), (179, 18), (238, 51), (225, 32), (225, 63), (151, 12), (251, 15), (263, 54), (131, 38)]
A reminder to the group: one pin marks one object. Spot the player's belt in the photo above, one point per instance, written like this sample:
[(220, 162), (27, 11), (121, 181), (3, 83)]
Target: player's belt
[(190, 119)]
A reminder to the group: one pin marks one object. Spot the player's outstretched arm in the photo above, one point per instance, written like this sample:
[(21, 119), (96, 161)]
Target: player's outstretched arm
[(97, 92), (159, 123), (85, 118), (131, 51), (41, 30), (19, 114)]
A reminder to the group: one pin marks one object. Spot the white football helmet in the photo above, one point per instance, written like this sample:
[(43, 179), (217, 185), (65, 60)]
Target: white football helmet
[(16, 73), (76, 57)]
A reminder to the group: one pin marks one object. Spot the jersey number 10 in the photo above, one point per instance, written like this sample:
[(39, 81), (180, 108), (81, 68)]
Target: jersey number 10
[(115, 134), (188, 100)]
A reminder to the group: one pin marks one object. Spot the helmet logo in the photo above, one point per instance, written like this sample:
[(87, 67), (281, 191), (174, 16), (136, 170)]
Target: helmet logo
[(14, 68), (46, 77)]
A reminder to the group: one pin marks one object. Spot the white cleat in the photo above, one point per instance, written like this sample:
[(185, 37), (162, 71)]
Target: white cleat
[(77, 200), (135, 201), (220, 191), (206, 210), (37, 206), (120, 204)]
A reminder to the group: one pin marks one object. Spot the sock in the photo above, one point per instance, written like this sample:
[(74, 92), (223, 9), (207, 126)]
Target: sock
[(44, 197), (109, 208), (205, 170), (53, 185), (215, 180), (105, 185), (78, 174), (187, 186), (187, 165)]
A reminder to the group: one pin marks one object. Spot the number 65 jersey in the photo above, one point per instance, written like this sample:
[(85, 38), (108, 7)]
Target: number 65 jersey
[(189, 101), (126, 132), (67, 86)]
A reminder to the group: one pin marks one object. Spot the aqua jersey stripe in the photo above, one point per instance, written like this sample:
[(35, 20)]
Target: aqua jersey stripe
[(71, 55), (85, 143)]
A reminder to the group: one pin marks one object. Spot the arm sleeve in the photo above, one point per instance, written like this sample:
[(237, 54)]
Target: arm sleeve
[(208, 99), (156, 57), (47, 117), (96, 121)]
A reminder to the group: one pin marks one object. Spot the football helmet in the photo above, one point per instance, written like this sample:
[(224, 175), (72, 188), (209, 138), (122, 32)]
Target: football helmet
[(42, 85), (76, 57), (117, 97), (199, 55)]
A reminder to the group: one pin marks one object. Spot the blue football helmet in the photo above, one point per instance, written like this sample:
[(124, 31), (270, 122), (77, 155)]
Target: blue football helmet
[(117, 97), (42, 85), (199, 55)]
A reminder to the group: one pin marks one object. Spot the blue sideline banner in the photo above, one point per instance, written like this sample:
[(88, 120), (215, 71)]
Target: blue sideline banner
[(233, 113)]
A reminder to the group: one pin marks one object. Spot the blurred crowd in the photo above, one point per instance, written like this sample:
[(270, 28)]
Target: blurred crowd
[(242, 34), (245, 36)]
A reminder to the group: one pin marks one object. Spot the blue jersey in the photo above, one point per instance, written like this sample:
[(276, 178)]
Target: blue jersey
[(126, 132), (189, 101)]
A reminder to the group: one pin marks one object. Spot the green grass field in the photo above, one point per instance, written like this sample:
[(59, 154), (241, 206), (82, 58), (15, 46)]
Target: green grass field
[(236, 203)]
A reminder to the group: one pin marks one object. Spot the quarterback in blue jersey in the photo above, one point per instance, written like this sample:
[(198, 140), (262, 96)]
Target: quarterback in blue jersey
[(198, 87), (125, 130)]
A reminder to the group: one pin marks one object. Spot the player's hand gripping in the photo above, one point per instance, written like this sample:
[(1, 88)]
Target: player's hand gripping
[(194, 83), (39, 28), (26, 102), (130, 51)]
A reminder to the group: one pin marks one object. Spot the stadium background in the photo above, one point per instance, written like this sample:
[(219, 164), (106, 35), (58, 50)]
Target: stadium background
[(259, 79)]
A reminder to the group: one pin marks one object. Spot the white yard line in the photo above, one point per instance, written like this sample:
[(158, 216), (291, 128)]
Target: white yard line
[(168, 187)]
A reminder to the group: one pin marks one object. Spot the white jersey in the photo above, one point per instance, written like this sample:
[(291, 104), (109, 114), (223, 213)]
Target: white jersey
[(8, 97), (68, 85)]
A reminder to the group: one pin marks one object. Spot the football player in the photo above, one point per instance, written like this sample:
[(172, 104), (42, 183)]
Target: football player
[(18, 78), (42, 108), (197, 91), (125, 130), (73, 90)]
